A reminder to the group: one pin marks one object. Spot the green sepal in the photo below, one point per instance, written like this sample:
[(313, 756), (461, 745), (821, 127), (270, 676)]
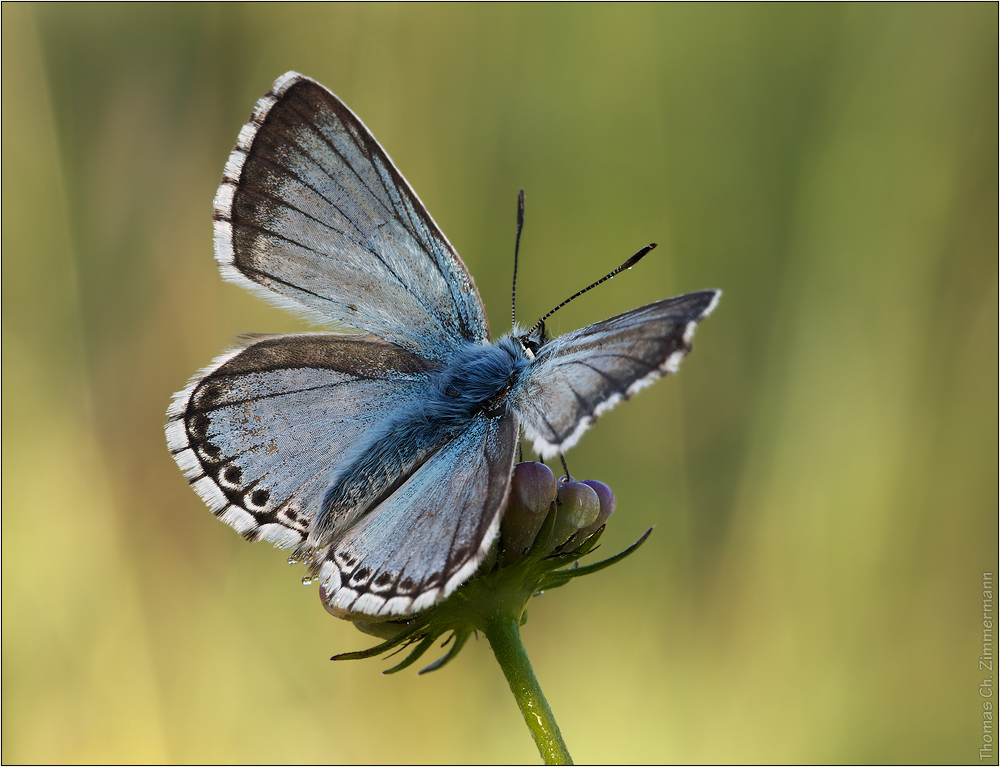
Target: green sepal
[(458, 639), (562, 577), (378, 649)]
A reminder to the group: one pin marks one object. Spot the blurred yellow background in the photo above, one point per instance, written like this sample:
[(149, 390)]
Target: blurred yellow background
[(822, 474)]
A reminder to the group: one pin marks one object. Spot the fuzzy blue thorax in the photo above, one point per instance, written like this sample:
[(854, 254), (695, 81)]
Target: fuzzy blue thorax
[(473, 384)]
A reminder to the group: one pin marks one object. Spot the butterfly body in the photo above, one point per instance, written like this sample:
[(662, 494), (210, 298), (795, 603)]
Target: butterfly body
[(471, 385), (384, 456)]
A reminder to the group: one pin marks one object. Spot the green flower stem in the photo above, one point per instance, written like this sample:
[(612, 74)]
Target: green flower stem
[(505, 639)]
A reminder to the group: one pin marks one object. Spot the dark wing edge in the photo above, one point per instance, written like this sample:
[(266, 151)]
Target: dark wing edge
[(547, 439), (211, 490), (225, 254), (363, 575)]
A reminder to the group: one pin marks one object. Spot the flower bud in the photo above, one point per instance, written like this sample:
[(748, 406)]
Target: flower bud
[(532, 491), (607, 499), (578, 507)]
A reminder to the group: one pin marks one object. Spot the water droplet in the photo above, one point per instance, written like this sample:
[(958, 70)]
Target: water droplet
[(294, 559), (307, 581)]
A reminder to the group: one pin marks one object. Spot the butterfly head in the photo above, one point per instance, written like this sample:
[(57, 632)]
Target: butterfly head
[(532, 341)]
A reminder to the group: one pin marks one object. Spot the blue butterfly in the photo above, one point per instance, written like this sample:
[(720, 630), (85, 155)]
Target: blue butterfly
[(385, 455)]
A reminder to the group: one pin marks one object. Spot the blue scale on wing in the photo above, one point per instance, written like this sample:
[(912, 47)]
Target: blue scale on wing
[(321, 216), (254, 422), (578, 376), (429, 535), (470, 388)]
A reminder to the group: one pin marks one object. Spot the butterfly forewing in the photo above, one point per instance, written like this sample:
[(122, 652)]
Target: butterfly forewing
[(430, 535), (579, 375), (312, 210), (260, 432)]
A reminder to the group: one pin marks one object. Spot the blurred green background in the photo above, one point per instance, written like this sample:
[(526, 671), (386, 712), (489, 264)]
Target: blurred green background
[(822, 475)]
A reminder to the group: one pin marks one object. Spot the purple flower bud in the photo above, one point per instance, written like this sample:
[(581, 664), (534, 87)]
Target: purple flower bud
[(607, 499), (532, 491), (579, 506)]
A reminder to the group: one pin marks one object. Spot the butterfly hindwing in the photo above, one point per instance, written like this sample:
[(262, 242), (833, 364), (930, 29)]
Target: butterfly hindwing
[(259, 432), (430, 535), (577, 376), (313, 215)]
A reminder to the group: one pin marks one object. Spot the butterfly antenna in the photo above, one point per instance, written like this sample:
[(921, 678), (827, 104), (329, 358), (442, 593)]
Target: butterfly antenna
[(627, 265), (517, 246)]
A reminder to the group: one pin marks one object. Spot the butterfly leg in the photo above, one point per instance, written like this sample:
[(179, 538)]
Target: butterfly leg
[(565, 467)]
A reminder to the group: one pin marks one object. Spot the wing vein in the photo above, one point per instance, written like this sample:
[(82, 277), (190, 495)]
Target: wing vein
[(307, 120), (363, 242), (264, 397)]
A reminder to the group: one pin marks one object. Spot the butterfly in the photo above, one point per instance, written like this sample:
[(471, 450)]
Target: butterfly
[(383, 455)]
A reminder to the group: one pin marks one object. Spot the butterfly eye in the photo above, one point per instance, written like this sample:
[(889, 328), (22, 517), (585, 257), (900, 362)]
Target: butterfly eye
[(533, 341)]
